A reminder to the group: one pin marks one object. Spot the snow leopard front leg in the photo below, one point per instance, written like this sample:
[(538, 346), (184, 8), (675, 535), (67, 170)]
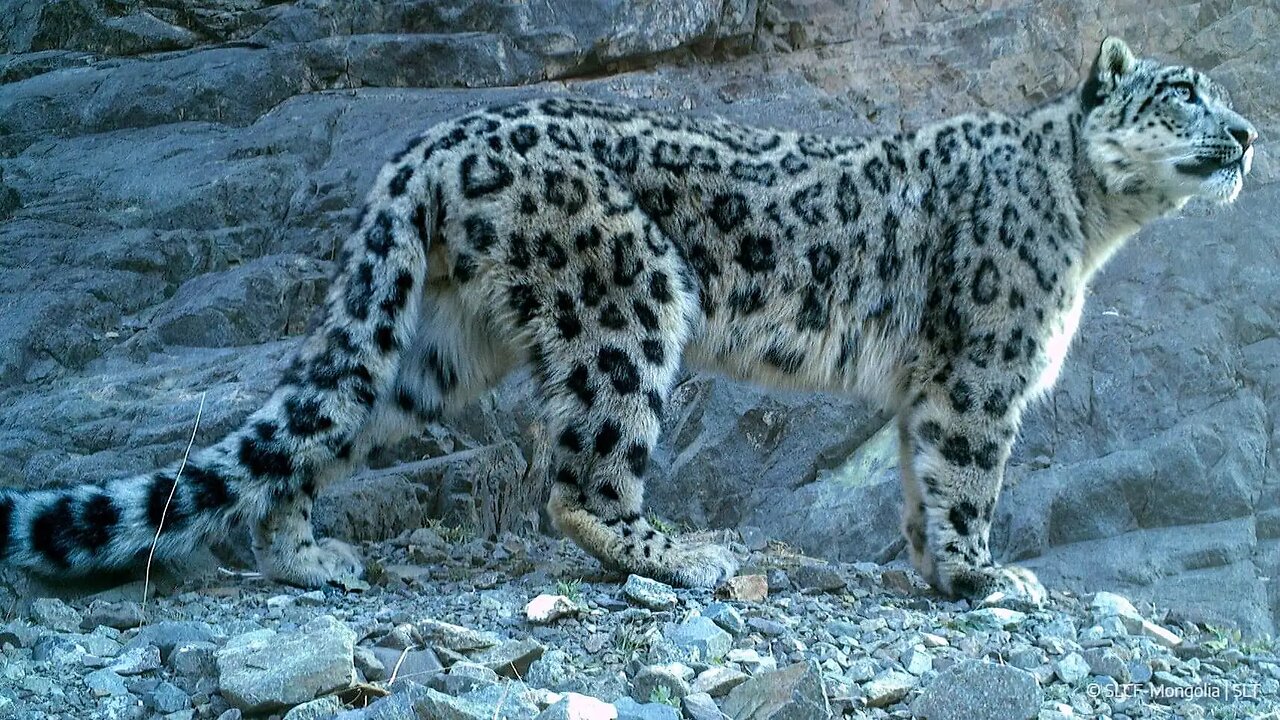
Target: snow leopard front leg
[(956, 437)]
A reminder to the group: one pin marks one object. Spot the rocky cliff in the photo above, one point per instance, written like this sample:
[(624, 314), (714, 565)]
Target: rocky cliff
[(176, 174)]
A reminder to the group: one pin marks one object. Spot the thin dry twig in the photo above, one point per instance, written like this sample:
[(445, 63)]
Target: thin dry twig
[(506, 690), (497, 711), (240, 574), (399, 661), (146, 579)]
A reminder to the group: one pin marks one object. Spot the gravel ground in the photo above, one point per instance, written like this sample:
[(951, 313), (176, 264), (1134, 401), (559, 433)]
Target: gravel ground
[(449, 626)]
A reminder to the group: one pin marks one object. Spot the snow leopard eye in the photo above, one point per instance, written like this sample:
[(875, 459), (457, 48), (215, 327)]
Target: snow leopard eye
[(1185, 91)]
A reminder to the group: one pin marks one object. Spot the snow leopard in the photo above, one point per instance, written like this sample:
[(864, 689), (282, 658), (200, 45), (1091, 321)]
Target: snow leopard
[(940, 273)]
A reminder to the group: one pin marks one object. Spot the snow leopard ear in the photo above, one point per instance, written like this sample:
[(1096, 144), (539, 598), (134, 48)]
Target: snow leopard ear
[(1114, 60)]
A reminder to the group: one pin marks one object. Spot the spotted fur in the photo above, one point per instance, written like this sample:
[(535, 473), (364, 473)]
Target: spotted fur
[(941, 273)]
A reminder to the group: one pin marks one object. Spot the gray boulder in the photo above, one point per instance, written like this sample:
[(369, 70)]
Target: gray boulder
[(265, 670), (649, 593), (511, 658), (791, 693), (168, 635), (669, 681), (979, 690), (629, 709), (697, 639), (324, 708)]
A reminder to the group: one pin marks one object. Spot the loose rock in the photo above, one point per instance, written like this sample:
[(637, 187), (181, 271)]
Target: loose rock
[(579, 707), (979, 690), (550, 671), (415, 665), (817, 578), (169, 634), (718, 681), (745, 588), (546, 609), (649, 593), (792, 693), (995, 617), (266, 670), (1071, 669), (454, 637), (629, 709), (168, 698), (767, 626), (1161, 635), (55, 614), (727, 617), (371, 668), (194, 659), (137, 660), (917, 660), (1109, 604), (105, 682), (464, 677), (752, 661), (512, 658), (438, 706), (700, 706), (888, 688), (697, 639), (319, 709), (122, 615), (670, 681)]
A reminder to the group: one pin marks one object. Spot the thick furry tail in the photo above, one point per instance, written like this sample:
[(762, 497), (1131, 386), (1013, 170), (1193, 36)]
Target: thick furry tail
[(310, 425)]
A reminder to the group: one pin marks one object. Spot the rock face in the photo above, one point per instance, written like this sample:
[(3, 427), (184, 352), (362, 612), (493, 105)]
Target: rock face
[(174, 179)]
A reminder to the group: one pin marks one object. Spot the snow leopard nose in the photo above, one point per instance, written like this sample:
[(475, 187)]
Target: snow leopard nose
[(1246, 135)]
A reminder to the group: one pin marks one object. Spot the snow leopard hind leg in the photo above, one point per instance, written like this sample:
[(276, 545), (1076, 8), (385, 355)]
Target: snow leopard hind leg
[(265, 473), (605, 342), (449, 360)]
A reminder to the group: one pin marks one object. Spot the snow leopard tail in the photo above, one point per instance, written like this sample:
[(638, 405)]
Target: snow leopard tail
[(287, 447)]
